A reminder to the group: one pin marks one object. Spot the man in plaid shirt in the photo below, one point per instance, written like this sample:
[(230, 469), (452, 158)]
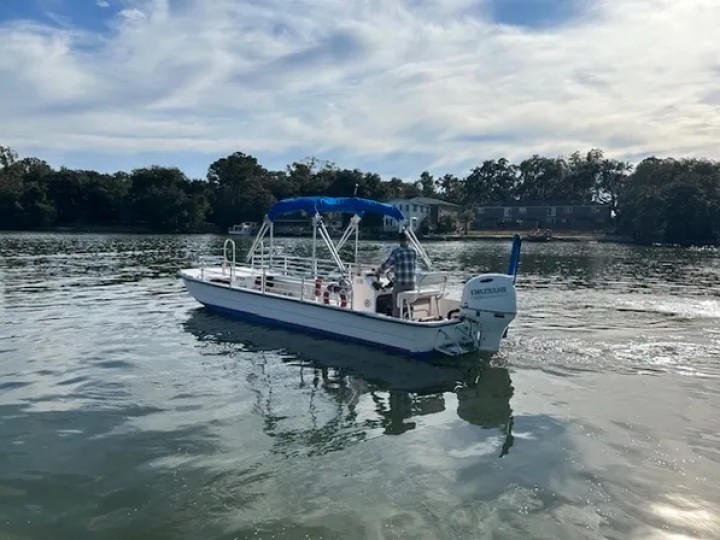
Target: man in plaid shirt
[(403, 259)]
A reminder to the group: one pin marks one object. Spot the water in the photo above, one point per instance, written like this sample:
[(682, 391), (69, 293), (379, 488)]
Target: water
[(126, 411)]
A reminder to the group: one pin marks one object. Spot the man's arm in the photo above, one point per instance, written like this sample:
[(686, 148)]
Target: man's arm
[(387, 264)]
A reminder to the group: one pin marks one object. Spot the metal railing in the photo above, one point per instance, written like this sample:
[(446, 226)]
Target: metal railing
[(330, 290), (229, 263), (303, 267)]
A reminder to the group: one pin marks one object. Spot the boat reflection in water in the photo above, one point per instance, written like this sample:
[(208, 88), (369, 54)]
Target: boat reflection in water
[(368, 390)]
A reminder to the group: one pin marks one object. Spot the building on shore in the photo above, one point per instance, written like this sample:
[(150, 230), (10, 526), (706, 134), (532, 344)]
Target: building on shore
[(542, 215), (422, 212)]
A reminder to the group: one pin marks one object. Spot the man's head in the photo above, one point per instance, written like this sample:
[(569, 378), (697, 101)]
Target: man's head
[(403, 238)]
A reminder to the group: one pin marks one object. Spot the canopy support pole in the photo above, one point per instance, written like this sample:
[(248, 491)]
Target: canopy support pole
[(416, 244), (315, 220), (357, 237), (353, 226), (328, 242), (260, 235)]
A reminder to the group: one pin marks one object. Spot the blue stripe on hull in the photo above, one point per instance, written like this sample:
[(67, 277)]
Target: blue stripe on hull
[(251, 317)]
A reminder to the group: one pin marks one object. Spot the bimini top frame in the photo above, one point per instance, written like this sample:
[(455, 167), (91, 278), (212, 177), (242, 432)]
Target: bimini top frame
[(314, 206)]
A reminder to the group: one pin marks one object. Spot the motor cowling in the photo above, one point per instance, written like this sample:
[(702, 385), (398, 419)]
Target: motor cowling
[(489, 293), (489, 305)]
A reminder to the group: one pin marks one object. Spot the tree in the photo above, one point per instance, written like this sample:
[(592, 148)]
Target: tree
[(158, 198), (582, 175), (36, 210), (241, 193), (446, 224), (543, 179), (493, 182), (411, 191), (611, 180), (8, 156), (662, 200), (426, 185), (451, 188), (675, 201), (11, 188), (311, 176)]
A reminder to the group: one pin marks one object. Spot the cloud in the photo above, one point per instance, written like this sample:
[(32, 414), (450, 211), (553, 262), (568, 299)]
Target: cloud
[(102, 3), (132, 15), (402, 85)]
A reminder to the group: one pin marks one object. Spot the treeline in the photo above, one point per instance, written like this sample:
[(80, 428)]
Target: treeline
[(664, 200)]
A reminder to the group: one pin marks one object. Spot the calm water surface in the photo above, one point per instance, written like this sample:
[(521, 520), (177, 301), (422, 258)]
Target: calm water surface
[(126, 411)]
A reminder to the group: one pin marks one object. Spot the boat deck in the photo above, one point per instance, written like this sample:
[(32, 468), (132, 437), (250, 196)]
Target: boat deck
[(427, 303)]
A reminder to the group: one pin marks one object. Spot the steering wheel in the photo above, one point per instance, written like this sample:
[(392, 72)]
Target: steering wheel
[(378, 284), (390, 276)]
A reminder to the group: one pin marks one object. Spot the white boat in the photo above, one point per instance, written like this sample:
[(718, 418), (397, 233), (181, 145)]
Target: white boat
[(246, 228), (340, 299)]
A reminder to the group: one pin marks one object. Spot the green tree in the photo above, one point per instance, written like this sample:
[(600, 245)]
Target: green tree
[(241, 190), (543, 179), (11, 187), (675, 201), (427, 185), (610, 182), (36, 210), (158, 198), (451, 189), (582, 175), (492, 182)]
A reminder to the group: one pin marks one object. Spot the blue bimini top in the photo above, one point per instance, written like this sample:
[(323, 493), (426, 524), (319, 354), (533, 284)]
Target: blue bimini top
[(352, 205)]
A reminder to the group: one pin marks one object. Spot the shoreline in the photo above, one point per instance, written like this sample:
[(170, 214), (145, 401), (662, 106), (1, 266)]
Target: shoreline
[(568, 236), (499, 235)]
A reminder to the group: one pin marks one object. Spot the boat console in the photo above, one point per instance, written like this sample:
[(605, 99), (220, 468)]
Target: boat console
[(374, 295)]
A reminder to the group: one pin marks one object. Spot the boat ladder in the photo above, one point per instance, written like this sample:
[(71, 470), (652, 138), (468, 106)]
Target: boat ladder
[(466, 339)]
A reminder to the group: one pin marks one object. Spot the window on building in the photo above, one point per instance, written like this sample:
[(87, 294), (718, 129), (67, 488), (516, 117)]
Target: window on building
[(595, 210), (568, 210), (414, 207), (522, 210)]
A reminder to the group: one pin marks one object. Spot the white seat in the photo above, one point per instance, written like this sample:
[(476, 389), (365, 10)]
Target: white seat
[(406, 299)]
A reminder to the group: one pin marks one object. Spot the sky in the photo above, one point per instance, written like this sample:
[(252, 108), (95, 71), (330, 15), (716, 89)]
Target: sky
[(389, 86)]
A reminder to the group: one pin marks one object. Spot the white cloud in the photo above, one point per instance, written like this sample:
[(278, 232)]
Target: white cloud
[(355, 81), (131, 15), (102, 3)]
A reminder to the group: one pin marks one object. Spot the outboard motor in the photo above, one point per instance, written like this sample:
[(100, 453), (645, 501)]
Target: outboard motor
[(490, 301)]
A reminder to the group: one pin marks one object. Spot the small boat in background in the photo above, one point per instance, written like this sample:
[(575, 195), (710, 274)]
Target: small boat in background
[(341, 299), (539, 235), (246, 228)]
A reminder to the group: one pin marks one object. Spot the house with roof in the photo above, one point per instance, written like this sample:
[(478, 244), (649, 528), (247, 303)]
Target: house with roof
[(421, 211), (543, 215)]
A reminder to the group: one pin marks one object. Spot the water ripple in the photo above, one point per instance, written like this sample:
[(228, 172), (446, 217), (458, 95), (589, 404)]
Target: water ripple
[(128, 411)]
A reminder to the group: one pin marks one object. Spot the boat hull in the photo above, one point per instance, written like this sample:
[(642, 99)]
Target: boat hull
[(400, 336)]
